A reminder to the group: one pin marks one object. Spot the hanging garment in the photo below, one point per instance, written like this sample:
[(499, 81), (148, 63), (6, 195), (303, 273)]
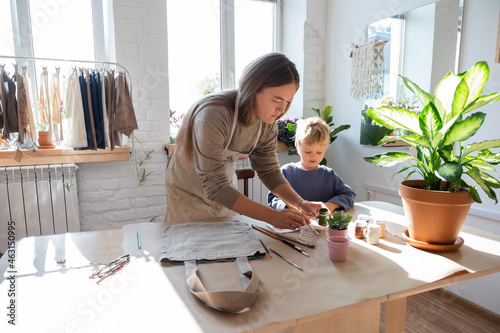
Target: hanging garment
[(96, 100), (22, 107), (110, 105), (11, 121), (104, 110), (55, 101), (91, 112), (73, 113), (3, 99), (86, 112), (44, 103), (33, 133), (125, 121)]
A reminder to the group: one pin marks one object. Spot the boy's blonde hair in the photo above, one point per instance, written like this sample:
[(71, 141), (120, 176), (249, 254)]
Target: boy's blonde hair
[(312, 130)]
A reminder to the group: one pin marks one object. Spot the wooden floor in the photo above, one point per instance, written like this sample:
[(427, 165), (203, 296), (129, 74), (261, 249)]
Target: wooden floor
[(439, 311)]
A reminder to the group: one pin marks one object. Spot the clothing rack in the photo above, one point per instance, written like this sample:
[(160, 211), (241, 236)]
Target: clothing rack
[(34, 82), (110, 63), (122, 70)]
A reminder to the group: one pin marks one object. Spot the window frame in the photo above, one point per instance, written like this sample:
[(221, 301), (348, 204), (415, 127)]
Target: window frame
[(227, 39), (23, 39)]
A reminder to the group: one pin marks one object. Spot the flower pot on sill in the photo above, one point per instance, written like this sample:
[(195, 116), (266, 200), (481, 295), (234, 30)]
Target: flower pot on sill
[(44, 141), (434, 217)]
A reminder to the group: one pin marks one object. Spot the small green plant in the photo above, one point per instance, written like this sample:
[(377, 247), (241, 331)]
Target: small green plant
[(142, 174), (286, 135), (145, 157), (68, 186), (42, 126), (326, 115), (339, 221)]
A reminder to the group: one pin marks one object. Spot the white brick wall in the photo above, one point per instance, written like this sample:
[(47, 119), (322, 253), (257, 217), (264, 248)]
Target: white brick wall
[(107, 191), (445, 39), (314, 69)]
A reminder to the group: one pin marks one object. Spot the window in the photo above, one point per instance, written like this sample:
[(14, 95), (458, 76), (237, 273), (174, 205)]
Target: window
[(7, 37), (53, 29), (209, 44), (390, 30), (50, 29), (62, 29)]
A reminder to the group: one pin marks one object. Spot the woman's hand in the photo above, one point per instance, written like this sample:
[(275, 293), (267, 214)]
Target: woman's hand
[(289, 219), (310, 207)]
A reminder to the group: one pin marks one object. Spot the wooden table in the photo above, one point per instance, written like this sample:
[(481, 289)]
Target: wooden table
[(150, 297)]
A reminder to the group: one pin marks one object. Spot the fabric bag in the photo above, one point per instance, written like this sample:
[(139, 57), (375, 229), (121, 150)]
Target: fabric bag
[(194, 242)]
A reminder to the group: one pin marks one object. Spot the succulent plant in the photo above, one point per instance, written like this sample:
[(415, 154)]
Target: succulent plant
[(339, 221)]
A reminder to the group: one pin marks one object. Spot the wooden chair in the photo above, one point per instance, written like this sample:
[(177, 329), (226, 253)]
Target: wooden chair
[(245, 174)]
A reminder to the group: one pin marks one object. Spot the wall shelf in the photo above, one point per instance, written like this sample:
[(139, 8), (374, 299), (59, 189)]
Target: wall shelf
[(64, 155)]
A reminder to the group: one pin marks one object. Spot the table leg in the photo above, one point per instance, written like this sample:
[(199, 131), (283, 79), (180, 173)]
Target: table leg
[(395, 315), (363, 317)]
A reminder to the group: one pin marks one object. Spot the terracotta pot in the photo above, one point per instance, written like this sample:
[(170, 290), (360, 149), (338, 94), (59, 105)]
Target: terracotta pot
[(44, 141), (434, 217), (337, 248), (339, 233)]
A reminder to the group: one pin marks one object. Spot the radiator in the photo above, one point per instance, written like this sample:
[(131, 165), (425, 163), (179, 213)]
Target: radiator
[(40, 200), (256, 190)]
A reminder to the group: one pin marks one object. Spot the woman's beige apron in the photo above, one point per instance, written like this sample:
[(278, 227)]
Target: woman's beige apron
[(186, 199)]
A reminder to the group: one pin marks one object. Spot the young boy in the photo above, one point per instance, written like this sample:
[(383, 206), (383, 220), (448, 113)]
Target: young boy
[(312, 181)]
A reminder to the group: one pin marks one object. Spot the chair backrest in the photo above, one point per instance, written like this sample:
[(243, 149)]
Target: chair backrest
[(245, 174)]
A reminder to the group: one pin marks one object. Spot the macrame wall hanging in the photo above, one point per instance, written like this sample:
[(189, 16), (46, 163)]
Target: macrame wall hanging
[(367, 69)]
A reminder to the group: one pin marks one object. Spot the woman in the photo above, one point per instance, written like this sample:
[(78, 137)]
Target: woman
[(225, 127)]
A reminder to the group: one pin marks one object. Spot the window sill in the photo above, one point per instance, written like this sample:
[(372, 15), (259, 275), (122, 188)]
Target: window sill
[(64, 155)]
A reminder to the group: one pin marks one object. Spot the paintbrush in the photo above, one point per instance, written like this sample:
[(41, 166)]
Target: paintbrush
[(292, 207), (292, 239), (284, 241)]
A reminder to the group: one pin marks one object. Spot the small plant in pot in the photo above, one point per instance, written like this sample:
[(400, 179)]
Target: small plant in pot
[(446, 164), (337, 223)]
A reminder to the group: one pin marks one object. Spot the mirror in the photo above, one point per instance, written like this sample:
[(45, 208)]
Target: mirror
[(422, 44)]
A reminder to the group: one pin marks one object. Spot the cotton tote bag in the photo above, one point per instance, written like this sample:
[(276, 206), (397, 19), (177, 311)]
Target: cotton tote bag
[(207, 242)]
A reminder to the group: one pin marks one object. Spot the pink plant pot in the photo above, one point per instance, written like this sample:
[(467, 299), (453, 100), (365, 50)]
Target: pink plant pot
[(337, 248), (339, 233)]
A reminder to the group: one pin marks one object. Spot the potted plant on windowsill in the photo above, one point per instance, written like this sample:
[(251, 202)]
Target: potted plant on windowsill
[(442, 159), (337, 223), (44, 140)]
